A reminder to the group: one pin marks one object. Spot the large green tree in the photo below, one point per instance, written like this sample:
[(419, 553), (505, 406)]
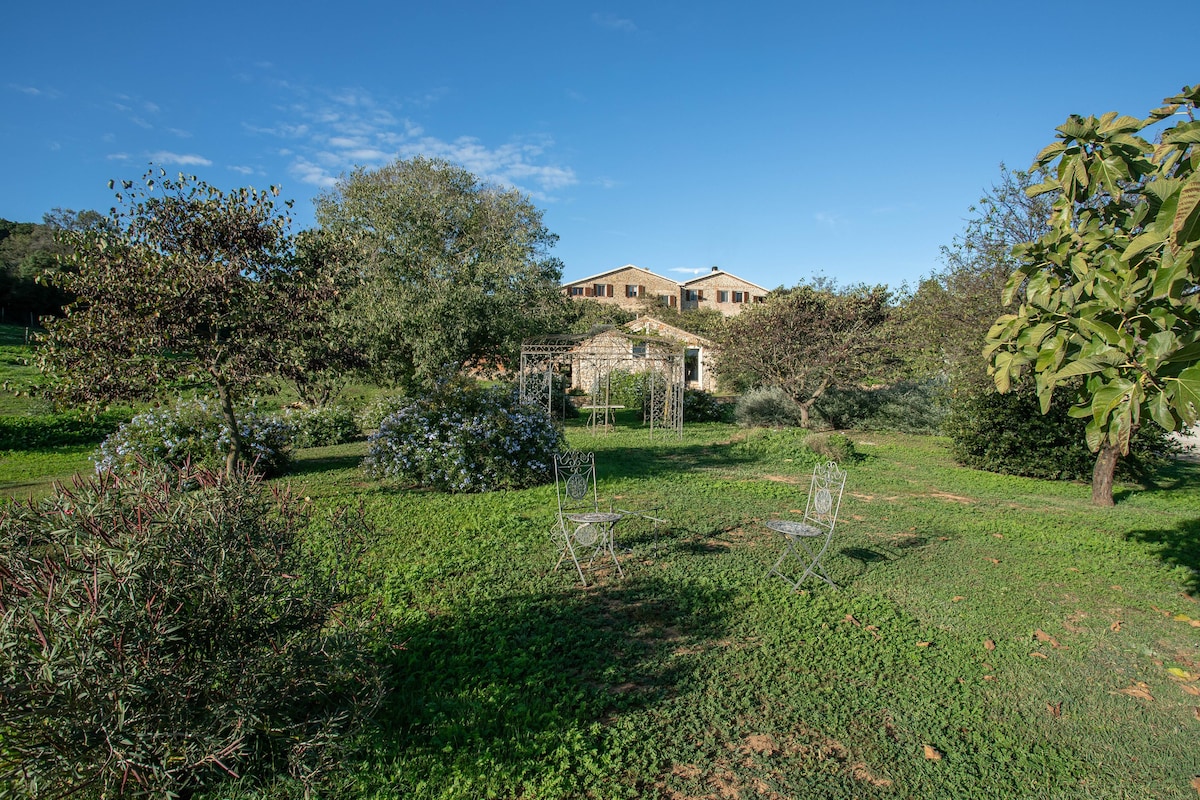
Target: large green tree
[(807, 340), (183, 286), (1111, 294), (452, 272)]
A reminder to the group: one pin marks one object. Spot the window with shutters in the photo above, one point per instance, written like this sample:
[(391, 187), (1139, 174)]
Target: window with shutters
[(576, 291), (739, 297), (722, 296), (631, 290)]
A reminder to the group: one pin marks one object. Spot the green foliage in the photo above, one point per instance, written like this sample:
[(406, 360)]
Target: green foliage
[(28, 252), (585, 315), (701, 406), (453, 274), (905, 406), (321, 426), (1008, 434), (632, 389), (195, 431), (768, 407), (707, 322), (155, 639), (379, 408), (183, 286), (1112, 292), (807, 340), (465, 438), (40, 431), (832, 446)]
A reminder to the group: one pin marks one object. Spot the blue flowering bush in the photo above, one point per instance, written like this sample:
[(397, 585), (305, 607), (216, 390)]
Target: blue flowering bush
[(372, 415), (194, 431), (465, 439), (321, 426)]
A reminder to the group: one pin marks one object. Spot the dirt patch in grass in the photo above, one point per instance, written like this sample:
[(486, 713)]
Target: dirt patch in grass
[(953, 498)]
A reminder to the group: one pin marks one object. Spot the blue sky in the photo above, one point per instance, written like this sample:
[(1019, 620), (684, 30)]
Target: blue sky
[(775, 140)]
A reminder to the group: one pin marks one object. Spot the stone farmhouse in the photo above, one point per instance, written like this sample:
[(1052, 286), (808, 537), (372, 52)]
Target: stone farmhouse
[(629, 287)]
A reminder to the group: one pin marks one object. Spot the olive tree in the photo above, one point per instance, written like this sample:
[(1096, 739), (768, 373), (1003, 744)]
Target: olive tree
[(806, 341), (185, 286), (451, 273), (1110, 295)]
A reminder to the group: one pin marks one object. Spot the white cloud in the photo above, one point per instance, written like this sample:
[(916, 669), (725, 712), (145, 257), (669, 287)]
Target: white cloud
[(182, 134), (242, 170), (330, 133), (118, 156), (309, 172), (690, 271), (614, 23), (179, 159), (829, 220)]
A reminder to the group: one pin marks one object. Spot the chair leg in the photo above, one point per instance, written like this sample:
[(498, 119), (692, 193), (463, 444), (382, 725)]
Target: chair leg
[(813, 563), (566, 549)]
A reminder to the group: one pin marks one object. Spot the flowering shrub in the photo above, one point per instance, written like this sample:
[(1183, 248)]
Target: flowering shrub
[(194, 430), (465, 439), (321, 426), (375, 412)]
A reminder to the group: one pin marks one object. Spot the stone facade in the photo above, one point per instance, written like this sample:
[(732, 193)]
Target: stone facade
[(629, 287), (720, 290)]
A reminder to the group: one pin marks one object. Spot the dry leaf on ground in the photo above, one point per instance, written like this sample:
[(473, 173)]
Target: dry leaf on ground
[(988, 644), (1138, 690), (1036, 654), (1042, 636), (932, 753)]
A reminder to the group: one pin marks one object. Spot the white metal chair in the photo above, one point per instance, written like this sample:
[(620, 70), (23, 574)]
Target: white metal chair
[(808, 539), (581, 526)]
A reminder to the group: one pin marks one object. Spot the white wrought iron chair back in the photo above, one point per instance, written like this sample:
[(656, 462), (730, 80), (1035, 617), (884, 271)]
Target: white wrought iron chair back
[(581, 525), (820, 519), (825, 496), (575, 480)]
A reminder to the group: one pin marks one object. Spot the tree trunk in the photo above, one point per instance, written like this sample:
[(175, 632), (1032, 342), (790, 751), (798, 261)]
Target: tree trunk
[(236, 452), (805, 414), (1102, 474)]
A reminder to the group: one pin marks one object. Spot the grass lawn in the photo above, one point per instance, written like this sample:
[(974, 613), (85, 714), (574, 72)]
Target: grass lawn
[(993, 636)]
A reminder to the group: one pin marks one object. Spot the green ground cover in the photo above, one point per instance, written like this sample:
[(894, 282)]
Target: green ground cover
[(993, 636)]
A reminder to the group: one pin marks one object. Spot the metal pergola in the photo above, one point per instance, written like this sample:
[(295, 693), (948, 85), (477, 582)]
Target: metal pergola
[(589, 360)]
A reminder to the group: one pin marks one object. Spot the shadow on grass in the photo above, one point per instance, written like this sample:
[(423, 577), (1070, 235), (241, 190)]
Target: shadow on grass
[(317, 464), (501, 687), (1179, 545)]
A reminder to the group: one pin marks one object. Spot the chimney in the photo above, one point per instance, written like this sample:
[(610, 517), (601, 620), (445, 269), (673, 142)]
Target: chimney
[(716, 269)]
